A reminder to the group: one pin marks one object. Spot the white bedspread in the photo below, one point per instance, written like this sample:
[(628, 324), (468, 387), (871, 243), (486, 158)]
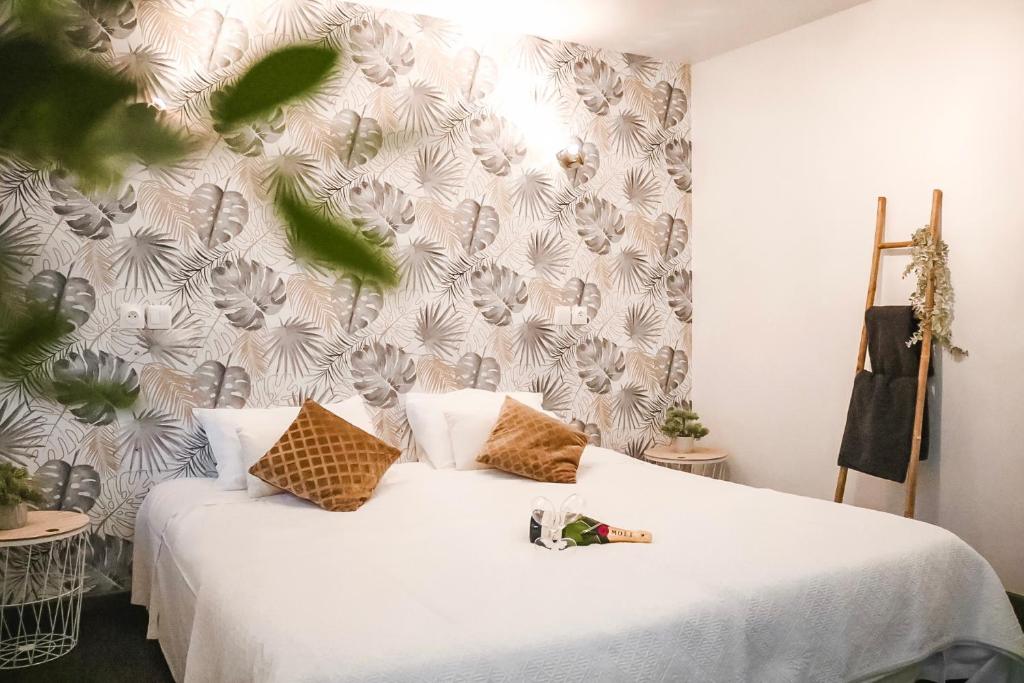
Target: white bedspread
[(433, 578)]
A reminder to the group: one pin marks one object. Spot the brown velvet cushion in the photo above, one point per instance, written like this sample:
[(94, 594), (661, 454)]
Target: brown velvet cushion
[(531, 444), (326, 460)]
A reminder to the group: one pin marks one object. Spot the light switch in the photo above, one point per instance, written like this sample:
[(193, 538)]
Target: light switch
[(579, 315), (158, 317), (133, 317), (563, 315)]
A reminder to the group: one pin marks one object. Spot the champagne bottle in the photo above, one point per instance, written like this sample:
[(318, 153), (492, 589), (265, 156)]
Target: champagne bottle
[(588, 531)]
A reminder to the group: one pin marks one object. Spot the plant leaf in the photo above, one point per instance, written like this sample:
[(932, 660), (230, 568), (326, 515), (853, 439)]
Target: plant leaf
[(498, 292), (275, 80), (477, 225), (381, 372), (358, 302), (357, 139), (66, 487), (215, 385), (216, 215), (334, 244), (478, 372), (248, 291), (95, 385)]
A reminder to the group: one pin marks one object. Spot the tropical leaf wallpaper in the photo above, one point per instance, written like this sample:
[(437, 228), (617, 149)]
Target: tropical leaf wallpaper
[(441, 144)]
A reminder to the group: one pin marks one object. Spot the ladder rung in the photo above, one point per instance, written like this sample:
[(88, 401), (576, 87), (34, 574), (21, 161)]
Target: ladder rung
[(895, 245)]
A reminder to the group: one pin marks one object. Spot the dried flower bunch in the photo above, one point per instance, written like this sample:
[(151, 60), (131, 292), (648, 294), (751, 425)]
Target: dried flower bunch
[(931, 257)]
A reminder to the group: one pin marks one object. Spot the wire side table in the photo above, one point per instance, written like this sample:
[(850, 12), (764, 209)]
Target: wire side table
[(706, 462), (42, 571)]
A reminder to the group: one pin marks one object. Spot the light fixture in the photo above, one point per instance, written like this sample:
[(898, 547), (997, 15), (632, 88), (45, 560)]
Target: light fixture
[(158, 104), (571, 156)]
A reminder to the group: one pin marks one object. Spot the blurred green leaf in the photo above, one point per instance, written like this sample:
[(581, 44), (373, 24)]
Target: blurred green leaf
[(337, 245), (59, 111), (275, 80)]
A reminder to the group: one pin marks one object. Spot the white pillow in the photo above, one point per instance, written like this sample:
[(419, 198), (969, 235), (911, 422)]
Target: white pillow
[(469, 431), (226, 427), (430, 428)]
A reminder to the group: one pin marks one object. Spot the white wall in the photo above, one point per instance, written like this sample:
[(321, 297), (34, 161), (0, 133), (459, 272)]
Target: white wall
[(795, 136)]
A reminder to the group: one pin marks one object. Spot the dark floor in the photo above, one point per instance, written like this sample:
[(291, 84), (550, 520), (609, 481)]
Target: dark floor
[(112, 648)]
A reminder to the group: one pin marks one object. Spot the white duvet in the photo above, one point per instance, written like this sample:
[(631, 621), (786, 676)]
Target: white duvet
[(434, 578)]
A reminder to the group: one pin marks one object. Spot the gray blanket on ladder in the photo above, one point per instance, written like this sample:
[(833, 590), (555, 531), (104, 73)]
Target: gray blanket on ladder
[(880, 421)]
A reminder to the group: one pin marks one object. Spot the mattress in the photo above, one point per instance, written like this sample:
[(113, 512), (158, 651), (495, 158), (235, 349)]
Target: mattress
[(433, 578)]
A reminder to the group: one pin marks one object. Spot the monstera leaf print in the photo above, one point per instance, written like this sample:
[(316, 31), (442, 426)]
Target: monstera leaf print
[(591, 430), (478, 372), (677, 162), (69, 299), (94, 385), (357, 302), (383, 209), (677, 289), (215, 385), (475, 74), (217, 215), (67, 487), (146, 258), (599, 362), (248, 291), (357, 139), (476, 225), (98, 21), (579, 293), (381, 372), (86, 216), (591, 161), (381, 50), (223, 40), (597, 83), (498, 292), (669, 103), (599, 223), (672, 367), (672, 235), (496, 143), (249, 139)]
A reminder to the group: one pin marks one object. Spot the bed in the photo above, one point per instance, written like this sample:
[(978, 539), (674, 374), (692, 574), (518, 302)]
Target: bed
[(433, 579)]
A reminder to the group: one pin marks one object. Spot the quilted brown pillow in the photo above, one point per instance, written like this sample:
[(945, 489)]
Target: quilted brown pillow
[(326, 460), (531, 444)]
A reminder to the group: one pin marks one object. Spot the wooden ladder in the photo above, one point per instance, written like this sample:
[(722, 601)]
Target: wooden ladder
[(881, 245)]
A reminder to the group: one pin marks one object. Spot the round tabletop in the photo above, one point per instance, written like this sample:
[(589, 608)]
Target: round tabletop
[(44, 526), (699, 455)]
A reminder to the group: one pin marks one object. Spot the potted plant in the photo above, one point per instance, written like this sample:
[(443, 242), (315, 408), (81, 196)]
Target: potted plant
[(684, 428), (16, 490)]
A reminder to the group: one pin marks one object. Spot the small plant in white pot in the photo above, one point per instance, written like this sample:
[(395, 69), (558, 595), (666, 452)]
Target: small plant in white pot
[(684, 428), (17, 489)]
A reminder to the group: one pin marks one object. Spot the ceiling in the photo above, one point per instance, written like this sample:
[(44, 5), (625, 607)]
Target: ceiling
[(683, 30)]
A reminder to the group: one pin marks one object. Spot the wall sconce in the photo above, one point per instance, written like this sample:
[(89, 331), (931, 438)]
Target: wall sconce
[(571, 156)]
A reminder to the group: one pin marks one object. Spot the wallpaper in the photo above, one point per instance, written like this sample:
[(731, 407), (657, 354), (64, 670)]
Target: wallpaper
[(441, 142)]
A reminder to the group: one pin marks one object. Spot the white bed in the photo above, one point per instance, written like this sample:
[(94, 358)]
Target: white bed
[(433, 579)]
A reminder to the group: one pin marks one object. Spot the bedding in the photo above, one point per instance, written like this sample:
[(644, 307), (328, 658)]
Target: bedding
[(433, 578)]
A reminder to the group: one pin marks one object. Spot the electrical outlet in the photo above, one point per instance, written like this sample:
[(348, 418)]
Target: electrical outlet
[(579, 315), (563, 315), (133, 317), (158, 317)]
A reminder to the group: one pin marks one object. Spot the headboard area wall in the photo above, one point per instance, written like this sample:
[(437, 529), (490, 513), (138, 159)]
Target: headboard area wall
[(441, 142)]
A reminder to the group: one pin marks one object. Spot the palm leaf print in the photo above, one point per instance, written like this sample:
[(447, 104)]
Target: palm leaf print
[(631, 404), (293, 346), (532, 193), (422, 263), (381, 51), (642, 325), (548, 254), (477, 225), (215, 385), (628, 132), (630, 269), (478, 372), (152, 71), (641, 189), (421, 106), (150, 441), (557, 394), (357, 139), (440, 329), (498, 292), (439, 173), (640, 66), (535, 340), (145, 259), (21, 432), (248, 291)]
